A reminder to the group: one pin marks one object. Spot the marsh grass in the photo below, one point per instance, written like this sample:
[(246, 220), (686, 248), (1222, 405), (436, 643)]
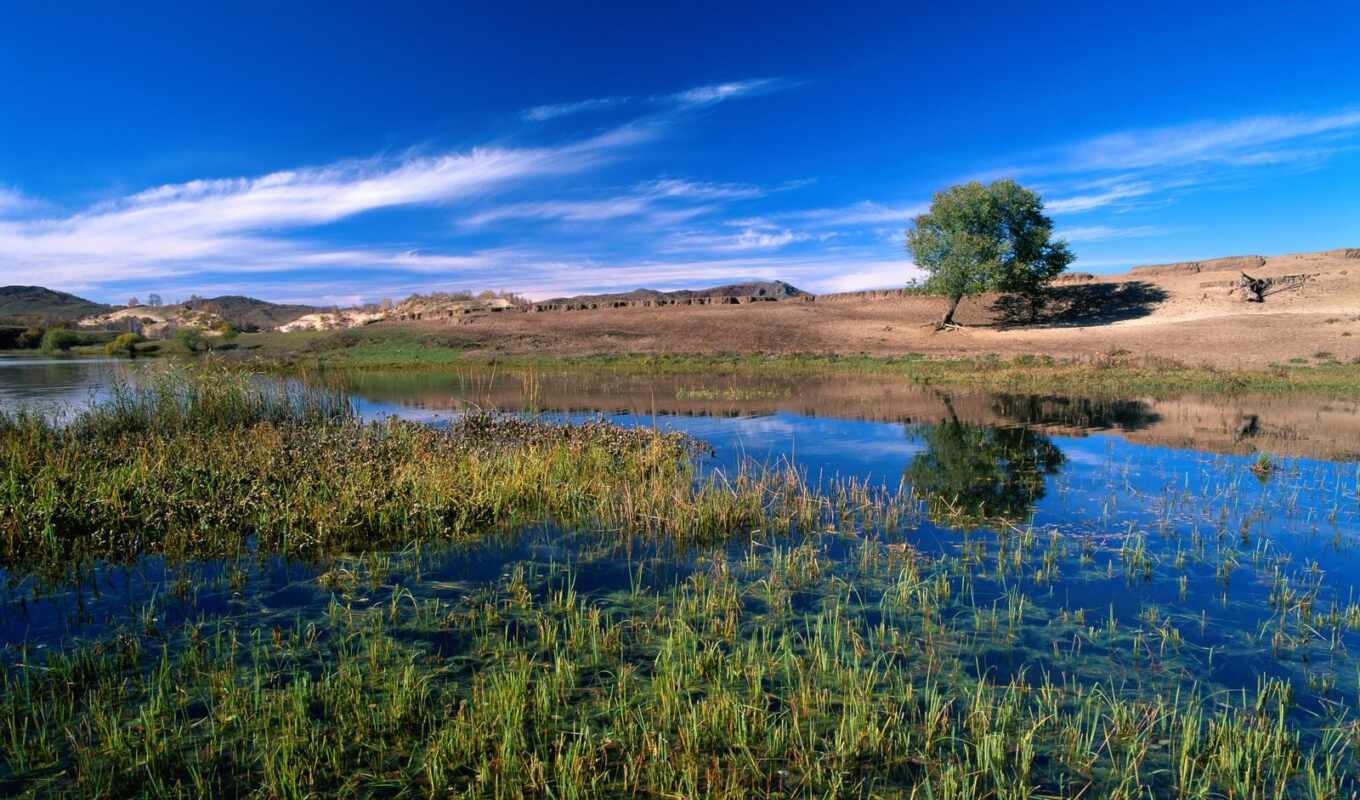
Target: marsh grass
[(214, 463)]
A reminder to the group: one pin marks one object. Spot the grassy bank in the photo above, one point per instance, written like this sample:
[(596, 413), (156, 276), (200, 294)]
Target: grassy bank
[(1116, 374)]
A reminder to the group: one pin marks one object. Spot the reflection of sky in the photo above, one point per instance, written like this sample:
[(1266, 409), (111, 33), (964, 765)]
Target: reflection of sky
[(57, 385), (824, 446)]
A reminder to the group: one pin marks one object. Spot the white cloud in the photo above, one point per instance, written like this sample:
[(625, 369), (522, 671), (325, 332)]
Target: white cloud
[(747, 239), (716, 93), (673, 187), (1100, 233), (644, 200), (12, 200), (696, 97), (862, 276), (1238, 141), (555, 110), (1076, 204), (862, 213), (566, 210), (182, 228)]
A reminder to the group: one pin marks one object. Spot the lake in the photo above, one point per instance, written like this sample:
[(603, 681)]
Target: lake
[(1156, 546)]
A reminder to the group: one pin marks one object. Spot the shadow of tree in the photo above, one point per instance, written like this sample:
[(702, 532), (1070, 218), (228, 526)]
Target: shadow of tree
[(1079, 305)]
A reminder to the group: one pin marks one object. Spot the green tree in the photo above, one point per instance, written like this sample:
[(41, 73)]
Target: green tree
[(190, 338), (992, 238), (59, 340), (125, 344)]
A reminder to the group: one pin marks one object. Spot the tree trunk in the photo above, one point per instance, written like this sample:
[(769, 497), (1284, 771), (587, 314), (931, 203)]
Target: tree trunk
[(949, 315)]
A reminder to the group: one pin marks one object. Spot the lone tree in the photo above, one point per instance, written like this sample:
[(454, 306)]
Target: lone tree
[(992, 238)]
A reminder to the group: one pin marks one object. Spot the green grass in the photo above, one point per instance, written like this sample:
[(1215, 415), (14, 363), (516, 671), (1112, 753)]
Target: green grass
[(1113, 375)]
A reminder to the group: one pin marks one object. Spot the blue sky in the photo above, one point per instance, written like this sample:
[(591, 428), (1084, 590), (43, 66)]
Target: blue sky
[(338, 153)]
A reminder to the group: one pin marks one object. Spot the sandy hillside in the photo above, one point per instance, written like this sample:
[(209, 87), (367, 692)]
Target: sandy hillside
[(1192, 312)]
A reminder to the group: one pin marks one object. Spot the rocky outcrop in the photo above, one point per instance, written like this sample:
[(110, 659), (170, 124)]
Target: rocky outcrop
[(427, 308)]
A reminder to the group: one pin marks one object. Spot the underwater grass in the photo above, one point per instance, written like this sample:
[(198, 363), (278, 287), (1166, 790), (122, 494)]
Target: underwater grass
[(770, 676)]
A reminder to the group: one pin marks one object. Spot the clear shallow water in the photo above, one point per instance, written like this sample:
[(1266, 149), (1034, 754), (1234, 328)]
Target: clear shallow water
[(1148, 551)]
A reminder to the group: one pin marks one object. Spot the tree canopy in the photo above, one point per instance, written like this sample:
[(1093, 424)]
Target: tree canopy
[(992, 238)]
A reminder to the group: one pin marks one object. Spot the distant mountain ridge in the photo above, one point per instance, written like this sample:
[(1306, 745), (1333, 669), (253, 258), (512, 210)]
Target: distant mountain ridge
[(778, 290), (40, 305)]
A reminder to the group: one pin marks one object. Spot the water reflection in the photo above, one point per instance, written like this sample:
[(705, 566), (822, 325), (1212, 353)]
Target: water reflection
[(977, 472), (1313, 427)]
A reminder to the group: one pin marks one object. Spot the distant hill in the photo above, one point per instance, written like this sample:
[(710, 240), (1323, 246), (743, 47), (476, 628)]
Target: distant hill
[(778, 290), (248, 313), (244, 313), (37, 305)]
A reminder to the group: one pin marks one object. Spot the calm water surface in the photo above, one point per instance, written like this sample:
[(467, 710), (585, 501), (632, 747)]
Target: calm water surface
[(1144, 517)]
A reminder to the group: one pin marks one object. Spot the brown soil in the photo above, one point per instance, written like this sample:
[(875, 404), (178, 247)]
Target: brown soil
[(1190, 312)]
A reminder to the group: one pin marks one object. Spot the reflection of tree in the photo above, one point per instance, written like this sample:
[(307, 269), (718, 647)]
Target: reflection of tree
[(1075, 412), (971, 473)]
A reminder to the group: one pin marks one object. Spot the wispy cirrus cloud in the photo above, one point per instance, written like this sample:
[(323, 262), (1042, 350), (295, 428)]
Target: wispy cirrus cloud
[(554, 110), (1102, 196), (862, 213), (692, 98), (1136, 168), (1101, 233), (718, 92), (180, 228), (655, 199), (564, 210), (1244, 141), (745, 240), (675, 187)]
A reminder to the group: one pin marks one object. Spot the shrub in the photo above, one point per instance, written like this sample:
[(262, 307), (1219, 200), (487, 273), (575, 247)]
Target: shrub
[(190, 338), (59, 340), (125, 344)]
